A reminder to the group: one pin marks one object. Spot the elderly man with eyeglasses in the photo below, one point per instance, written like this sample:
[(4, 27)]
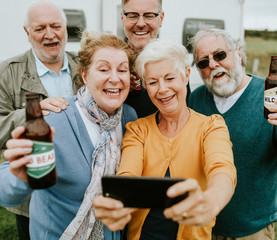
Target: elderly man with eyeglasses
[(141, 20), (238, 98)]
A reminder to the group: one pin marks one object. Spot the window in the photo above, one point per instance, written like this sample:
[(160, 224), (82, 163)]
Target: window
[(193, 25), (76, 23), (119, 28)]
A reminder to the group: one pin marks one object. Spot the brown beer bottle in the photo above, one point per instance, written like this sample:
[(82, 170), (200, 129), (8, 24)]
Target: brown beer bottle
[(41, 171), (270, 93)]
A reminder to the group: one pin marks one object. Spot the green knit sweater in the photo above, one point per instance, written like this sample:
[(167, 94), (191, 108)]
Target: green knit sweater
[(254, 203)]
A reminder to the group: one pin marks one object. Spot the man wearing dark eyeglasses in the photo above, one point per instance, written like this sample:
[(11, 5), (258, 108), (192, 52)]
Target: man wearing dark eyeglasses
[(141, 20), (238, 98)]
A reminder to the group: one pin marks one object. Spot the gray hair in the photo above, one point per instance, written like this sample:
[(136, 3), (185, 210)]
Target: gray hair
[(219, 33), (158, 50), (160, 3), (26, 21)]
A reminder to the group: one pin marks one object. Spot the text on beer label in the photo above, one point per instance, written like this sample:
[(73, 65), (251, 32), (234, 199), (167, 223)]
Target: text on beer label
[(42, 159), (270, 96)]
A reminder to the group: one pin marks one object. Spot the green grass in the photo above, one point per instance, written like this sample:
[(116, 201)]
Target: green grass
[(8, 230), (261, 49)]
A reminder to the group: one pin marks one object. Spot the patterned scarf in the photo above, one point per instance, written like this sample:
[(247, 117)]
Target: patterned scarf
[(105, 161)]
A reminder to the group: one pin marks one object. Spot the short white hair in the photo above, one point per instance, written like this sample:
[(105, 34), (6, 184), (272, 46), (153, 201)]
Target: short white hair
[(232, 43), (158, 50), (26, 21)]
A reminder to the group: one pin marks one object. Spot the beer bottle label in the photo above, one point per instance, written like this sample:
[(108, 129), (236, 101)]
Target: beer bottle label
[(43, 159), (269, 97)]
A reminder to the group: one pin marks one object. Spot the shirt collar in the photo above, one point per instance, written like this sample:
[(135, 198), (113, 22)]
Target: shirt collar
[(42, 69)]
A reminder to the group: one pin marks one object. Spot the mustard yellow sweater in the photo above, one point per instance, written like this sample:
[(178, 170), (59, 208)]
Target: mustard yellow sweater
[(200, 150)]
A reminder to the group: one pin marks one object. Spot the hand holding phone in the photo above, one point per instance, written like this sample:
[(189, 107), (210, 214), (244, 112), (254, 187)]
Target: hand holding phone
[(141, 192)]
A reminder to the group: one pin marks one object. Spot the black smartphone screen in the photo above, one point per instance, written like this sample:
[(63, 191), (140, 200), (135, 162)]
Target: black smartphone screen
[(141, 192)]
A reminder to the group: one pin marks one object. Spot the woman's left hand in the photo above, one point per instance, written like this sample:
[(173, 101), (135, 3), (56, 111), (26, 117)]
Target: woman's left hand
[(197, 209)]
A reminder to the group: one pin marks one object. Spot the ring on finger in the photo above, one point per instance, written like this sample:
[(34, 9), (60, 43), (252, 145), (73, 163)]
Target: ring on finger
[(184, 215)]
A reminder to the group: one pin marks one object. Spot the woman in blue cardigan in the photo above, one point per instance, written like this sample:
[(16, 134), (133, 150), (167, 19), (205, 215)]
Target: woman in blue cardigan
[(87, 142)]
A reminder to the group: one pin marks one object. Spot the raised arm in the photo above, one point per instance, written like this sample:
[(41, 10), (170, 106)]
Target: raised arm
[(201, 207)]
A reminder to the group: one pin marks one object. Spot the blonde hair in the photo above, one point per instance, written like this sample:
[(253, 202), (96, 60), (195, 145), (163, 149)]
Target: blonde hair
[(92, 41)]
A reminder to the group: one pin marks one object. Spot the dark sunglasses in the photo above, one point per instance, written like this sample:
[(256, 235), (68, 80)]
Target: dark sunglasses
[(218, 56)]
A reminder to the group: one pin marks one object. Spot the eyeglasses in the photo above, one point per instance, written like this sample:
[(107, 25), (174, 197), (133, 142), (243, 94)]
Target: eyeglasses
[(148, 17), (218, 56)]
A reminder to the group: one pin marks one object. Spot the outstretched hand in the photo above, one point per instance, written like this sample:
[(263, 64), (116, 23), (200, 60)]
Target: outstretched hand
[(55, 104), (195, 210), (200, 207)]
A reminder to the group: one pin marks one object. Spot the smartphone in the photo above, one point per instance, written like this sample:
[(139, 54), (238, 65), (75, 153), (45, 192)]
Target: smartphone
[(141, 192)]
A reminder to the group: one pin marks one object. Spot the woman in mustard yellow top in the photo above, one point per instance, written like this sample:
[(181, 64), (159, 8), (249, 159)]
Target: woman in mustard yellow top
[(177, 142)]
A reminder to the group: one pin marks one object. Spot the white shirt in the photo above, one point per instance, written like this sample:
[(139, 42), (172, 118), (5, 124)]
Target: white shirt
[(224, 104), (92, 128)]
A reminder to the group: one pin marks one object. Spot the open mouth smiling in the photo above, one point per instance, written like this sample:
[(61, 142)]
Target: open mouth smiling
[(164, 100), (141, 33), (51, 44), (219, 75), (112, 92)]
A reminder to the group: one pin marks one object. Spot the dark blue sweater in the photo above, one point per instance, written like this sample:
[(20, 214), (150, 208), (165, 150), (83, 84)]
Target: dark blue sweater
[(254, 203)]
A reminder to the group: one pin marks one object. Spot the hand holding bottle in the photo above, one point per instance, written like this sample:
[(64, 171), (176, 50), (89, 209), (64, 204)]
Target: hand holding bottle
[(17, 152)]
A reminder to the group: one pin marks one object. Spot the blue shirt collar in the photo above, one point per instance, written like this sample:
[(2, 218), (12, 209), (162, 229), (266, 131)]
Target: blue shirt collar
[(42, 69)]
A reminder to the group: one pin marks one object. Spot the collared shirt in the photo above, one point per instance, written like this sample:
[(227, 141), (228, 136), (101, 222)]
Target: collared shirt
[(55, 85)]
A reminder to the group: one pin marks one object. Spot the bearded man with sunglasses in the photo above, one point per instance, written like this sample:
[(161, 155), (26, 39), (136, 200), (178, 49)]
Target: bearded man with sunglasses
[(238, 98)]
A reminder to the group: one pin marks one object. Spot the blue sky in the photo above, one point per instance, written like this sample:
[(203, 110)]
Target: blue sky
[(260, 14)]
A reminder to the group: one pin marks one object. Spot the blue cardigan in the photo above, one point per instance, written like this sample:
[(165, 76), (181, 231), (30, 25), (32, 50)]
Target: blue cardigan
[(52, 209)]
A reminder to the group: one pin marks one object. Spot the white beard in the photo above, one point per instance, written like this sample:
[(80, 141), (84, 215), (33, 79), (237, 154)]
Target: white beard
[(225, 87)]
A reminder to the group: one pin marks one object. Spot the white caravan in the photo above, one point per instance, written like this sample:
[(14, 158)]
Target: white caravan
[(182, 20)]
